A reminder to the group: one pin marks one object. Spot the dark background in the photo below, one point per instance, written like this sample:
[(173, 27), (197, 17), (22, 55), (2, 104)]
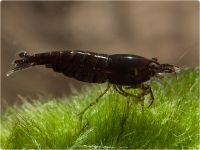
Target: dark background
[(166, 30)]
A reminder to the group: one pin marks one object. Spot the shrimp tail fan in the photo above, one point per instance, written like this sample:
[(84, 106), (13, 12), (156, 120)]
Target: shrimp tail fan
[(23, 63)]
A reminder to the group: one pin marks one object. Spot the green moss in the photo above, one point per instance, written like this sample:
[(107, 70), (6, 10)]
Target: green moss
[(171, 122)]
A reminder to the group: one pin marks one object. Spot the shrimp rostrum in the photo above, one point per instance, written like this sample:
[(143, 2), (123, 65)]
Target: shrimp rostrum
[(120, 71)]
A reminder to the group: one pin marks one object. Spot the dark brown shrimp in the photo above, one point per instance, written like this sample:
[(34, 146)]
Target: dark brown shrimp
[(119, 70)]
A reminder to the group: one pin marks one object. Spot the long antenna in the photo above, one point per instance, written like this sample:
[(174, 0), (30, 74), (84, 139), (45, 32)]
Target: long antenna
[(181, 57)]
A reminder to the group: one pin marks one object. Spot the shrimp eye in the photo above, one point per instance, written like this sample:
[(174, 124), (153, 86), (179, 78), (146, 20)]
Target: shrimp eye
[(155, 59), (154, 65)]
